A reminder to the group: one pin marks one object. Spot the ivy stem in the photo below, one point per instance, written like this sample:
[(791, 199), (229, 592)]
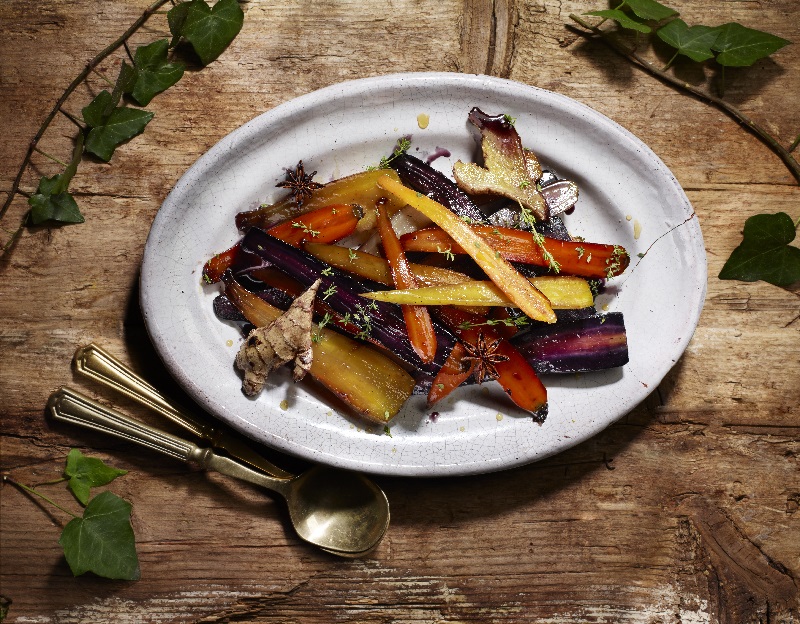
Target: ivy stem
[(730, 110), (53, 482), (35, 492), (72, 118), (107, 51), (794, 144), (670, 62), (102, 77), (51, 157)]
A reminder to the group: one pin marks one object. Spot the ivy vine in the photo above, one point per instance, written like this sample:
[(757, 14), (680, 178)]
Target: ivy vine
[(766, 252), (116, 116)]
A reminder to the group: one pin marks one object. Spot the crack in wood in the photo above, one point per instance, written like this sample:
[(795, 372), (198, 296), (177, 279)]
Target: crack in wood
[(744, 584)]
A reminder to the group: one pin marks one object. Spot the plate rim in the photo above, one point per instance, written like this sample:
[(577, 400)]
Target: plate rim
[(390, 81)]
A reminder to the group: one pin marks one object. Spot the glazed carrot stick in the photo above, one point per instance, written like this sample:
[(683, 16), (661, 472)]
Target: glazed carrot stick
[(418, 321), (506, 277), (323, 225), (514, 373), (455, 371), (570, 257), (327, 224)]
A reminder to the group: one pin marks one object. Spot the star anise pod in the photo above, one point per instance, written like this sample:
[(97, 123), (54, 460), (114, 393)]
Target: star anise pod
[(485, 356), (299, 184)]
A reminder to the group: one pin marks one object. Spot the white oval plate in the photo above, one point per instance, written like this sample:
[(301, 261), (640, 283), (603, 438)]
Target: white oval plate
[(343, 129)]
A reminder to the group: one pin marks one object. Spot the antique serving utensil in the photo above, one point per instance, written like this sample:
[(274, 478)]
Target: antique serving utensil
[(340, 511), (95, 363)]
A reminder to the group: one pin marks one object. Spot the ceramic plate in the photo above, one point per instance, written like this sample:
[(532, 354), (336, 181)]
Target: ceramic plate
[(627, 197)]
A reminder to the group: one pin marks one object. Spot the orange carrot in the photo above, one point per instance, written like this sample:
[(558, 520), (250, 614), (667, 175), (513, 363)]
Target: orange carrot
[(514, 374), (218, 264), (455, 371), (569, 257), (417, 318), (323, 225)]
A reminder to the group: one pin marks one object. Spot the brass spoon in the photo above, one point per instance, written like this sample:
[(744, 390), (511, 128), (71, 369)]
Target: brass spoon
[(339, 511)]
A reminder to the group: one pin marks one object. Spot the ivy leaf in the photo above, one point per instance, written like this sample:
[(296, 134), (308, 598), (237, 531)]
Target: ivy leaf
[(153, 73), (765, 253), (650, 10), (102, 541), (622, 18), (209, 30), (88, 472), (694, 42), (52, 202), (108, 131), (94, 113), (739, 46)]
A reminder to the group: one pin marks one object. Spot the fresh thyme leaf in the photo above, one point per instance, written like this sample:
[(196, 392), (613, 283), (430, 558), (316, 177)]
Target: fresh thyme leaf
[(88, 472), (622, 18), (109, 131), (102, 541), (153, 73), (739, 46), (50, 204), (765, 253), (694, 42), (650, 9), (209, 30)]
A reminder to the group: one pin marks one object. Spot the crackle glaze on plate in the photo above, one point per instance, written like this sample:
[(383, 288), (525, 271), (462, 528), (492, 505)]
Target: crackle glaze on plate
[(343, 129)]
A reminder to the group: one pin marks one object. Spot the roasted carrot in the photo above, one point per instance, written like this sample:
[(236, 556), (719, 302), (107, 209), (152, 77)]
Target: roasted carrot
[(506, 277), (324, 225), (569, 257), (365, 379), (455, 371), (514, 373), (418, 320), (218, 264), (360, 189)]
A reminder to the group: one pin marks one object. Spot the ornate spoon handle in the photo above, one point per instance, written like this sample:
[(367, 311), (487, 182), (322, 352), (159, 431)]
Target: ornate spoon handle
[(95, 363), (70, 406)]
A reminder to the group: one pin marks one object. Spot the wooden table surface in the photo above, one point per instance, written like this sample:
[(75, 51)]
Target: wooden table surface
[(686, 510)]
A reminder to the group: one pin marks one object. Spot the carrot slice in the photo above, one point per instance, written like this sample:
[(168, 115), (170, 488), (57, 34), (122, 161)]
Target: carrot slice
[(377, 269), (324, 225), (580, 258), (515, 374), (365, 379), (455, 371), (512, 283), (218, 264), (417, 318), (565, 292)]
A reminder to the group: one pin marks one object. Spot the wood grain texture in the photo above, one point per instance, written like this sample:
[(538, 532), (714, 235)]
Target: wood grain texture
[(686, 510)]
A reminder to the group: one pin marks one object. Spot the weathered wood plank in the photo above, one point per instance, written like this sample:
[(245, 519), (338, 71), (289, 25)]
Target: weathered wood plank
[(686, 510)]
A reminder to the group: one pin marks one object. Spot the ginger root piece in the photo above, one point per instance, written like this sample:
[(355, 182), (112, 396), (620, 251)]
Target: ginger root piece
[(287, 338), (510, 170)]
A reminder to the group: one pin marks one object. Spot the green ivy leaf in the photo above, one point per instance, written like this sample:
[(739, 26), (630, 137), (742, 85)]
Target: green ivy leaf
[(622, 18), (694, 42), (765, 253), (109, 131), (88, 472), (739, 46), (208, 30), (52, 202), (94, 113), (102, 541), (153, 73), (650, 10)]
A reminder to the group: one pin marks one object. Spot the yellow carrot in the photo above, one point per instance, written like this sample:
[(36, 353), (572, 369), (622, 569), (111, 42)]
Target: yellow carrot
[(516, 287), (564, 293)]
